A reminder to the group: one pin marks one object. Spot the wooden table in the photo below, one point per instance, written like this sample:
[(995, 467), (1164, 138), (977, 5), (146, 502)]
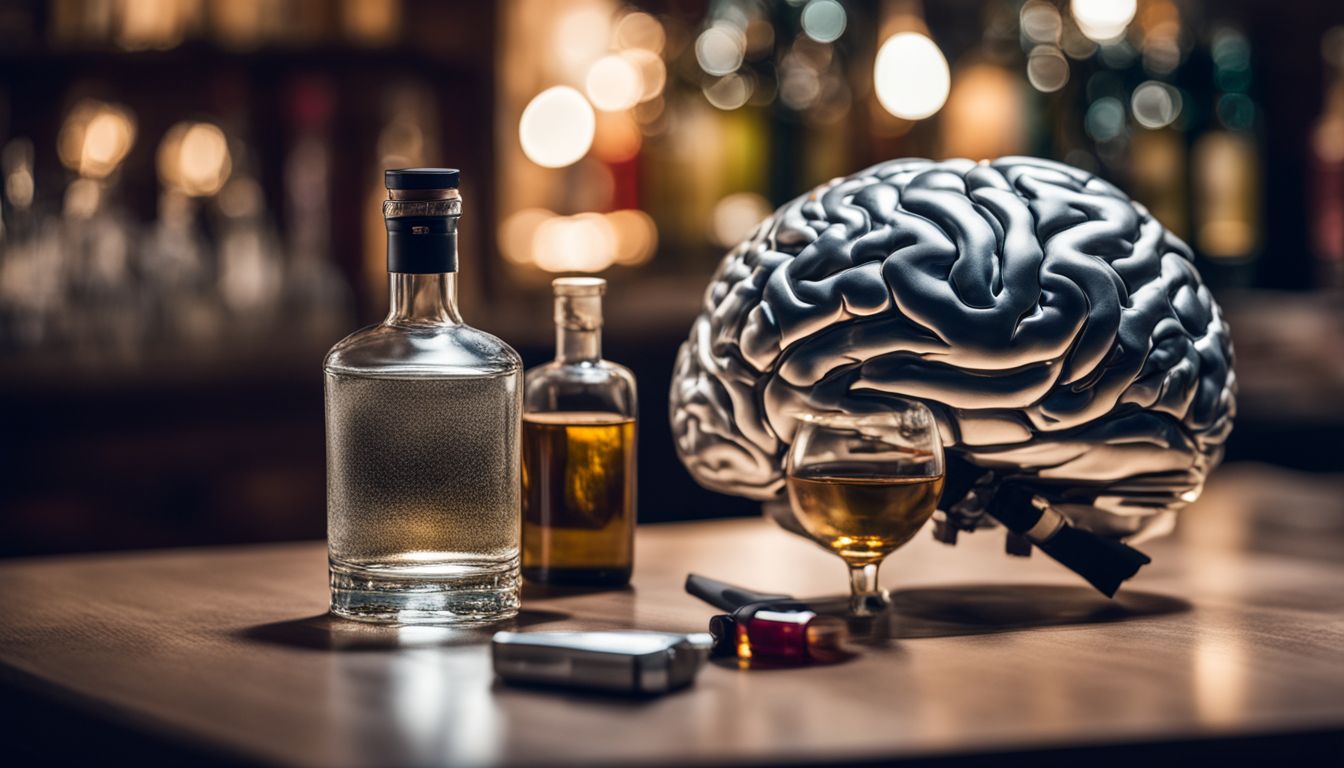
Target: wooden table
[(1232, 639)]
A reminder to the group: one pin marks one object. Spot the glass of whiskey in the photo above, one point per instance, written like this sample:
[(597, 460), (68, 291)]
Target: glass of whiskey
[(423, 425), (862, 485), (579, 452)]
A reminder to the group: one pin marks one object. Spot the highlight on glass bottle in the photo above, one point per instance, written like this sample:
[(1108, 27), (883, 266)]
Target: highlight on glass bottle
[(578, 485), (862, 485), (423, 424)]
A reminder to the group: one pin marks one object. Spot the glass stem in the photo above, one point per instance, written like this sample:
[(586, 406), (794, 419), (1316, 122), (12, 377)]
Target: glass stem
[(863, 589)]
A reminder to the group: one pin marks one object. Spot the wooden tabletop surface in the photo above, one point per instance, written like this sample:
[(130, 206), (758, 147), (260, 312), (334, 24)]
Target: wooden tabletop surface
[(1235, 631)]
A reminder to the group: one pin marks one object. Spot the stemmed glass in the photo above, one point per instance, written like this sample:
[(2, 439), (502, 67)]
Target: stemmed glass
[(862, 485)]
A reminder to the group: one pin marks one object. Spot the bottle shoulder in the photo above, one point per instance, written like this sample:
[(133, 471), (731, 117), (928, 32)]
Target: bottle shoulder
[(589, 386), (592, 372), (415, 351)]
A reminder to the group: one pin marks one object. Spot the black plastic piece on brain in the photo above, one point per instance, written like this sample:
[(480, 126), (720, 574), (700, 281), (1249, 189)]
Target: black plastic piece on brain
[(1060, 333)]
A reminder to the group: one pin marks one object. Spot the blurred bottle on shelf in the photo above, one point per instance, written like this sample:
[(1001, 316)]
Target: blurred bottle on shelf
[(315, 290), (177, 273), (250, 276), (31, 285), (1225, 164), (97, 241), (1325, 170)]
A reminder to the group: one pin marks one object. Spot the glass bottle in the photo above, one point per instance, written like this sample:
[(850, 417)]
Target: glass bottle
[(422, 437), (579, 452)]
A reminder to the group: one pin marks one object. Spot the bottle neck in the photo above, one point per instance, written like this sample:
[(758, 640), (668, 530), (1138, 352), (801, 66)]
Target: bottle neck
[(578, 345), (578, 328), (423, 299)]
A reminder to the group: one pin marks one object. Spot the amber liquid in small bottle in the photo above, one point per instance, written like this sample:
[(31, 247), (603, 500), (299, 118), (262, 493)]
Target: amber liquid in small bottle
[(578, 497), (862, 518)]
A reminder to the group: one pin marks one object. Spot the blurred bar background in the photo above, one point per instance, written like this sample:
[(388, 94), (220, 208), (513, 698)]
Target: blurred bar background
[(191, 203)]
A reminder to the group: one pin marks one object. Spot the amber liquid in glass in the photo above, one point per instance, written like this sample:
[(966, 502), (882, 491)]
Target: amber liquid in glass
[(862, 518), (578, 497)]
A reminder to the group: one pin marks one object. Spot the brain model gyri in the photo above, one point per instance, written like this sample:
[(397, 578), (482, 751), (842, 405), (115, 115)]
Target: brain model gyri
[(1059, 333)]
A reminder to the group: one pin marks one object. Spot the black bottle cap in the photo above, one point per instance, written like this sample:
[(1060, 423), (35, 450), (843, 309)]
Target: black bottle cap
[(421, 220), (420, 178), (421, 245)]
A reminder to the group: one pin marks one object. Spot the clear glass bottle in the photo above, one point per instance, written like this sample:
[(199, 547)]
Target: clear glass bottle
[(579, 438), (423, 437)]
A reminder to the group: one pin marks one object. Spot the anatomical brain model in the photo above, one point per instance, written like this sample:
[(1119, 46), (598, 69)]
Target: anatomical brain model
[(1059, 333)]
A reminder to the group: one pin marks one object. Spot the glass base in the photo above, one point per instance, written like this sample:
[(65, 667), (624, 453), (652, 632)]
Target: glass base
[(613, 576), (459, 594)]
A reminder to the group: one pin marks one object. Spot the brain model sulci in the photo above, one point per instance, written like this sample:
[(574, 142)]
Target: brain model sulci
[(1060, 334)]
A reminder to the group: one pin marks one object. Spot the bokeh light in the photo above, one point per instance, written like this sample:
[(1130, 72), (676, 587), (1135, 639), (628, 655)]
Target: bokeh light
[(636, 236), (640, 31), (1047, 68), (1160, 23), (557, 127), (760, 35), (194, 159), (1155, 104), (1103, 20), (799, 83), (736, 215), (824, 20), (614, 83), (517, 232), (1105, 119), (911, 76), (95, 138), (983, 116), (1041, 22), (720, 49), (617, 138), (580, 36), (585, 242), (652, 72), (729, 92)]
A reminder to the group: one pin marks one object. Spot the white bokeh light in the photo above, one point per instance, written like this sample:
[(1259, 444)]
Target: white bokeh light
[(911, 76), (614, 83), (824, 20), (1047, 69), (557, 127), (1103, 20), (1155, 104), (194, 159), (728, 93), (720, 49)]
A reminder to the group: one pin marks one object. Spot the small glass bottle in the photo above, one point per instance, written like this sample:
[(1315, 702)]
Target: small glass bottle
[(579, 452), (423, 437)]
